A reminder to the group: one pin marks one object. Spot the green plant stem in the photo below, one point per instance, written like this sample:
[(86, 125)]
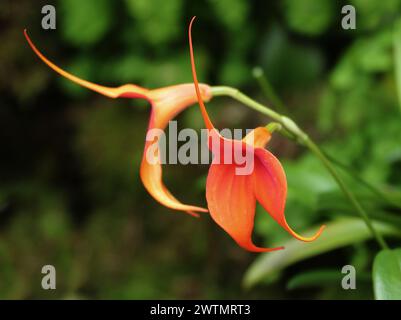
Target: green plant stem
[(354, 201), (238, 95), (274, 126), (303, 139), (380, 194), (268, 90)]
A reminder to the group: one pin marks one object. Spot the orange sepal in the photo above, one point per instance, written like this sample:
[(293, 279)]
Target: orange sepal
[(127, 90), (258, 137), (231, 197), (232, 204), (166, 104), (270, 189), (151, 176), (169, 101)]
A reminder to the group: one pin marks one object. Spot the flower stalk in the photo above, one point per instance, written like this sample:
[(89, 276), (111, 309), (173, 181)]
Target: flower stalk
[(268, 90)]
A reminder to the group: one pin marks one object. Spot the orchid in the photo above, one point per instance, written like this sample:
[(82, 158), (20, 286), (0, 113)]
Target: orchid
[(166, 103), (232, 197), (294, 166)]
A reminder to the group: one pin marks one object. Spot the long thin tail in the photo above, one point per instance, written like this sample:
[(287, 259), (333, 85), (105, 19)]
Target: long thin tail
[(135, 91), (205, 115)]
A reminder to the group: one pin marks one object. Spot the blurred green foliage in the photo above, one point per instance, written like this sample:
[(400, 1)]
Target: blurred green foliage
[(70, 193), (309, 16), (77, 27)]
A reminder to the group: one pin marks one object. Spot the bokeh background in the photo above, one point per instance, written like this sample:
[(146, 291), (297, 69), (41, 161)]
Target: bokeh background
[(70, 193)]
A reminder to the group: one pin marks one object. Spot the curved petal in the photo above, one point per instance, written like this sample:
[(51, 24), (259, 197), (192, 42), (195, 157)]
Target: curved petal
[(151, 176), (232, 204), (127, 90), (166, 104), (270, 187)]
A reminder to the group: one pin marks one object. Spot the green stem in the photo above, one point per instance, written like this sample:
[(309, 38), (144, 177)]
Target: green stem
[(268, 90), (238, 95), (303, 139), (274, 126), (354, 201), (379, 193)]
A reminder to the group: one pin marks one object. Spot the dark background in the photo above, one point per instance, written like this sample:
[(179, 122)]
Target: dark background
[(70, 193)]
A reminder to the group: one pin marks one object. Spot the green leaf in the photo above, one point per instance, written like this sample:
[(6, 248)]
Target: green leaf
[(387, 275), (337, 234)]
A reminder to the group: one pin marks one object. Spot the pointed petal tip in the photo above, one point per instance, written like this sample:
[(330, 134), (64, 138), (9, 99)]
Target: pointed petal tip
[(198, 209), (193, 214), (174, 204), (151, 176), (205, 115), (252, 248), (194, 210), (127, 90), (306, 239)]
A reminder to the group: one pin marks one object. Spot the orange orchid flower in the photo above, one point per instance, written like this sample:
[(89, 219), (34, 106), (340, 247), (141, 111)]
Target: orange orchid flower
[(166, 103), (231, 197)]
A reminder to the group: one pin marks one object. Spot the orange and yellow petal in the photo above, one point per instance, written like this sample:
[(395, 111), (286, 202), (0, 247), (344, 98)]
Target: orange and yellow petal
[(151, 176), (127, 90), (168, 102)]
